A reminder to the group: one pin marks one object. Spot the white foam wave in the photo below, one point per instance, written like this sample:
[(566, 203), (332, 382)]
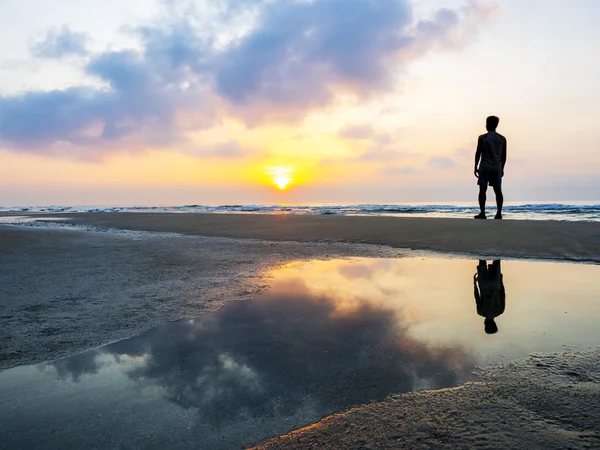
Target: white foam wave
[(530, 211)]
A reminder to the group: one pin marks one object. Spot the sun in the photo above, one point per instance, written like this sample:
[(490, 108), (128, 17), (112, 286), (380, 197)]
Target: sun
[(281, 176), (282, 181)]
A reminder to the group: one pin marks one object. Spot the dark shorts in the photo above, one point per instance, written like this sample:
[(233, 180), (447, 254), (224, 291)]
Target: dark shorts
[(493, 177)]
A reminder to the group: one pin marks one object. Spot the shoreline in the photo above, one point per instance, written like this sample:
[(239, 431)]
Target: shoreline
[(553, 240)]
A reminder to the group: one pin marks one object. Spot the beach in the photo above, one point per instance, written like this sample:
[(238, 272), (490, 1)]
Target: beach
[(251, 224), (63, 291), (545, 402), (110, 276), (576, 241)]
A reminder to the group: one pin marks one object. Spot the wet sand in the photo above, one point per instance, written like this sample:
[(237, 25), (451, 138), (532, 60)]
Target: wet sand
[(544, 402), (65, 291), (578, 241)]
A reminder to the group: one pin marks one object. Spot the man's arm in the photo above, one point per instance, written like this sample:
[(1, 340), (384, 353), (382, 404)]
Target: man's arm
[(478, 155), (503, 156)]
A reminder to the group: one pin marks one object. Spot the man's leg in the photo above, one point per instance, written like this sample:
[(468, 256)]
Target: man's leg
[(482, 199), (482, 270), (499, 201), (494, 269)]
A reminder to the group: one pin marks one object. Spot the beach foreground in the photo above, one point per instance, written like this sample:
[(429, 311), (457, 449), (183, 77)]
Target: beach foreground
[(578, 241), (67, 290), (63, 291), (545, 402)]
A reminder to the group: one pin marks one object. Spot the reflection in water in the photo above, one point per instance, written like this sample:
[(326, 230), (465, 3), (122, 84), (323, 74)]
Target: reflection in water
[(490, 297), (283, 355), (76, 366), (325, 336)]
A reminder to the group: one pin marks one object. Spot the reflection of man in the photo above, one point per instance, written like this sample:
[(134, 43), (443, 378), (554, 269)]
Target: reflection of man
[(490, 297)]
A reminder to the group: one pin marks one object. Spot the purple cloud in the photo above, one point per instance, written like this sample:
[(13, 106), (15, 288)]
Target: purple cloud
[(301, 51), (140, 105), (298, 56)]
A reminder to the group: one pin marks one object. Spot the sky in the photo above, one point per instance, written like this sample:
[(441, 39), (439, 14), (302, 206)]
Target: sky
[(173, 102)]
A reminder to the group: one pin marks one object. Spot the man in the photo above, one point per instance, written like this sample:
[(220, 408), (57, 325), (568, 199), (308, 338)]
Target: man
[(491, 148), (490, 298)]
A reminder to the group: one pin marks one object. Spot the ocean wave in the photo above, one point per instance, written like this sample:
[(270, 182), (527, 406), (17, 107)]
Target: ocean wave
[(538, 211)]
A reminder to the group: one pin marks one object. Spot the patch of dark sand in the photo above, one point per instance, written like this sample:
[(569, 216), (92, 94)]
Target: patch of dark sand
[(63, 291), (546, 402)]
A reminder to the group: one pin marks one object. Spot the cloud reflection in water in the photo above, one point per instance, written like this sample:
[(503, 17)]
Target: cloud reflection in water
[(285, 353)]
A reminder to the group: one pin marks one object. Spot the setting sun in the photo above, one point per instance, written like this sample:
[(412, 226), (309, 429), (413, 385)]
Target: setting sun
[(282, 182), (281, 176)]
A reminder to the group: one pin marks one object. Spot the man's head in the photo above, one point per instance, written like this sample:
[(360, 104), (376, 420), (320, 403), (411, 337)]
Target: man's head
[(490, 326), (491, 123)]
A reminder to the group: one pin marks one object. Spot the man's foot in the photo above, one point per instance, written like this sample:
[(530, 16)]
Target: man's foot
[(498, 216), (480, 216)]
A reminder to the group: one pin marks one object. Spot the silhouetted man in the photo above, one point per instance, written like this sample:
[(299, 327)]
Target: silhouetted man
[(490, 298), (491, 148)]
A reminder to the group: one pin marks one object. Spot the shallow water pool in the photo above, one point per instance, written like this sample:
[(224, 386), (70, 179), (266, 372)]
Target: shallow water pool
[(325, 336)]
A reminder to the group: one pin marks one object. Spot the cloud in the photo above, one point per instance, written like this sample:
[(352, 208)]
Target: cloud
[(301, 52), (357, 132), (377, 154), (275, 61), (226, 150), (13, 63), (395, 170), (483, 11), (149, 98), (365, 132), (229, 150), (382, 144), (74, 367), (140, 105), (442, 162), (465, 152), (61, 42), (304, 54), (381, 148)]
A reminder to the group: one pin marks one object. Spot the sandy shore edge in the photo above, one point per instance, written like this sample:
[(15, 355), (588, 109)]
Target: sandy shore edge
[(575, 241)]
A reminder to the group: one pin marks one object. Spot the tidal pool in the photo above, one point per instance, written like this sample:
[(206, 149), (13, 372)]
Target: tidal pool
[(325, 336)]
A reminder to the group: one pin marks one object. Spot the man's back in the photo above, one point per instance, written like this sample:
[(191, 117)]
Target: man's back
[(492, 146)]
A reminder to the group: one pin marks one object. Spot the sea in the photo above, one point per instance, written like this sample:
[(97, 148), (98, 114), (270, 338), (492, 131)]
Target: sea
[(568, 211)]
